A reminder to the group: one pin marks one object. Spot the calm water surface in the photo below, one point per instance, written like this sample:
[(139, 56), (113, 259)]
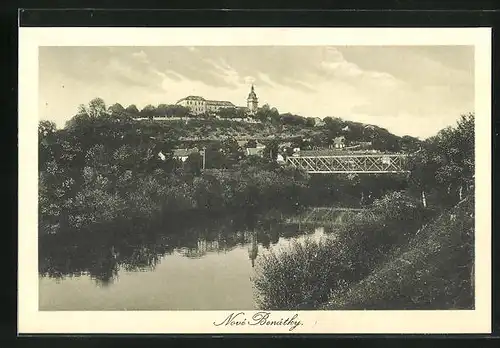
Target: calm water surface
[(203, 268)]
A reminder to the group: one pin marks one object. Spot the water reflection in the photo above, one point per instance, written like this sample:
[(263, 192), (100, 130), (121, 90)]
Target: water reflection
[(102, 253), (218, 249)]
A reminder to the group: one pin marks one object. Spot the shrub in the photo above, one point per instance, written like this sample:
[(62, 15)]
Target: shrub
[(303, 275), (298, 277), (433, 271), (397, 206)]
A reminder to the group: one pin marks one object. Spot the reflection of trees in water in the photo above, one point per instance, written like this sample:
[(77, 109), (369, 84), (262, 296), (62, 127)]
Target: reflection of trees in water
[(253, 249), (102, 252), (99, 253)]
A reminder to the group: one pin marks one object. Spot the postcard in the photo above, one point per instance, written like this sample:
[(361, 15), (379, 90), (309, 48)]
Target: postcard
[(254, 180)]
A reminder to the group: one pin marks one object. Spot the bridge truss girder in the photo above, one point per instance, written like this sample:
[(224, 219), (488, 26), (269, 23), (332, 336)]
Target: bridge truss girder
[(350, 164)]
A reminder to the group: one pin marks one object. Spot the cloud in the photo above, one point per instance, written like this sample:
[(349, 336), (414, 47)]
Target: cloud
[(249, 79), (141, 56)]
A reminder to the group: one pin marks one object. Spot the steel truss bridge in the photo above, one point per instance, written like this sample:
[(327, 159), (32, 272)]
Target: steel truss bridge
[(351, 164)]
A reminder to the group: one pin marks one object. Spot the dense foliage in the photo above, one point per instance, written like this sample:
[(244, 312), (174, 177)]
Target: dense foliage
[(105, 171), (305, 274), (443, 169), (103, 167), (435, 270), (267, 122), (393, 256)]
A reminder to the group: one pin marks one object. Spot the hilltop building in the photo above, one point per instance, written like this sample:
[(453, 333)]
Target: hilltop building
[(199, 105)]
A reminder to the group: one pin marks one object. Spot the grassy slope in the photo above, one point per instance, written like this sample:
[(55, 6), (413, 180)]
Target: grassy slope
[(216, 129), (433, 271)]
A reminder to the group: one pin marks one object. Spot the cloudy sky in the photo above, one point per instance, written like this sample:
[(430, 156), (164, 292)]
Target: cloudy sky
[(413, 90)]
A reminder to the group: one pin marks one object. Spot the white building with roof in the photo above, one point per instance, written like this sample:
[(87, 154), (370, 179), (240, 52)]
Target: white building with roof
[(199, 105)]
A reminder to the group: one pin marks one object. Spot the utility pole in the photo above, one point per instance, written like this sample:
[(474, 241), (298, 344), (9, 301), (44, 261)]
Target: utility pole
[(204, 157)]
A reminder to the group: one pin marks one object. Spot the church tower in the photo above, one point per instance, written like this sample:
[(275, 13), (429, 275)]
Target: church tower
[(252, 101)]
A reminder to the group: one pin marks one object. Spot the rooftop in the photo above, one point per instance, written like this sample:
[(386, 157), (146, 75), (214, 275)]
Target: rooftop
[(254, 151), (192, 97), (184, 152), (220, 102)]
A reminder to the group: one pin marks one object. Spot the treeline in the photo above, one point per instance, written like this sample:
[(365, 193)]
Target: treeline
[(309, 132), (443, 168), (102, 168), (324, 131)]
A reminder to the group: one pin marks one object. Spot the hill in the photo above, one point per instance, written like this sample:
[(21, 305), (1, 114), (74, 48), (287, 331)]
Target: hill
[(266, 124), (305, 136), (434, 270)]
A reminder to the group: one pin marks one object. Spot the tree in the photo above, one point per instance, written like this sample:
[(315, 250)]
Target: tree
[(445, 162), (227, 113), (193, 163), (46, 128), (310, 122), (291, 119), (297, 143), (214, 157), (161, 110), (117, 111), (148, 111), (252, 143), (333, 126), (132, 110), (177, 111), (263, 114), (116, 108), (409, 144), (423, 168), (275, 116), (455, 150), (95, 108), (231, 151), (355, 132), (46, 132), (271, 150)]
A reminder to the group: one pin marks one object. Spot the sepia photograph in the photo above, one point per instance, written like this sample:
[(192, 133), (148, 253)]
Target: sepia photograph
[(248, 179)]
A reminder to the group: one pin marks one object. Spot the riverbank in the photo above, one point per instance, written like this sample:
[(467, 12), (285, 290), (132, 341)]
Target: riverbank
[(404, 258), (434, 270)]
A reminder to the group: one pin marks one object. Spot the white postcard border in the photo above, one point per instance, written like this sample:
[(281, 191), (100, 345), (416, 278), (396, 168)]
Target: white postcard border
[(31, 320)]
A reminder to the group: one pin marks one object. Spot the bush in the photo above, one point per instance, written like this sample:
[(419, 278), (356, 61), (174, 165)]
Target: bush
[(433, 271), (304, 275), (398, 206), (298, 277)]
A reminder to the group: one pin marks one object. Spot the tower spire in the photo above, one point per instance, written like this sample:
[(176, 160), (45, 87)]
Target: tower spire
[(252, 101)]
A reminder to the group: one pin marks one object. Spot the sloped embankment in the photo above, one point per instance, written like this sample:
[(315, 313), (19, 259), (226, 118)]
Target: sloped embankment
[(433, 271)]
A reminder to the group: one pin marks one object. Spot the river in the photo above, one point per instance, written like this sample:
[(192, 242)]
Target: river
[(201, 267)]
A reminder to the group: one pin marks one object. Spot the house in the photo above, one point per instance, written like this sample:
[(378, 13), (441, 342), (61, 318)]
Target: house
[(198, 105), (285, 145), (339, 142), (242, 143), (183, 154), (280, 158), (260, 146), (365, 145), (254, 151), (318, 122), (251, 120)]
